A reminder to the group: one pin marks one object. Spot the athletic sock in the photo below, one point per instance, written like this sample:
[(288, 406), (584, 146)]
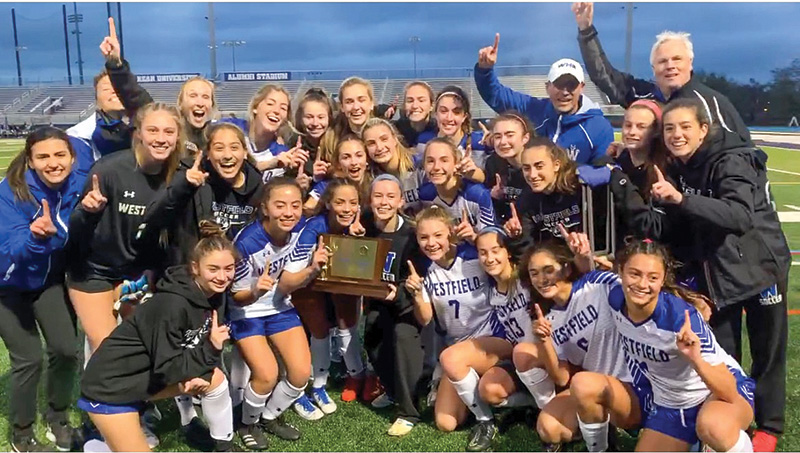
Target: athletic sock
[(320, 360), (218, 412), (538, 382), (744, 444), (252, 405), (185, 408), (351, 350), (467, 390), (595, 434), (240, 376), (282, 398)]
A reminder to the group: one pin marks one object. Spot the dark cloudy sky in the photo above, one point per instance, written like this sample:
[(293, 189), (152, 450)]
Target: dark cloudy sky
[(742, 40)]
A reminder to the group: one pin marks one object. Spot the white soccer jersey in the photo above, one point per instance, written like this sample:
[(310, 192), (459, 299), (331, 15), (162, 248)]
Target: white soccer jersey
[(583, 332), (460, 303), (512, 313), (472, 197), (652, 354), (255, 249)]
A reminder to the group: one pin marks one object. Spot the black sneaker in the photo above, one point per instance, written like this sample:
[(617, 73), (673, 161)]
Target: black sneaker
[(281, 429), (226, 445), (252, 436), (553, 448), (197, 435), (60, 433), (481, 436), (22, 441)]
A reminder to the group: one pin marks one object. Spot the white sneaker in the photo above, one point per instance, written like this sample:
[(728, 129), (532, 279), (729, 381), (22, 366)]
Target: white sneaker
[(383, 400), (322, 399), (152, 439), (96, 446), (306, 409)]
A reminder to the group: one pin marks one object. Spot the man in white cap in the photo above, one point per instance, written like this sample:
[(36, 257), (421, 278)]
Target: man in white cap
[(567, 116)]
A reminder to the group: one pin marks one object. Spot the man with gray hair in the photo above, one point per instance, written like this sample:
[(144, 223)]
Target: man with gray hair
[(671, 58)]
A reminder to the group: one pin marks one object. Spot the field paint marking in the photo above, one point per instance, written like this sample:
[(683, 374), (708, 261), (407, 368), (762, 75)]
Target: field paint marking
[(784, 171), (791, 206), (789, 217)]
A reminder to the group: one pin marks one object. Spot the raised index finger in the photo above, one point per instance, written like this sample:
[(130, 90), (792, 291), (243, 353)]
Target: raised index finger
[(197, 159), (45, 208), (214, 320), (514, 211), (112, 28), (412, 269), (496, 42), (659, 174), (95, 183), (538, 310), (687, 323), (563, 230)]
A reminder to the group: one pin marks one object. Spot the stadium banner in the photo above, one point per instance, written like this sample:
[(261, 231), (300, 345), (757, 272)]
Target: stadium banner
[(251, 76), (160, 78)]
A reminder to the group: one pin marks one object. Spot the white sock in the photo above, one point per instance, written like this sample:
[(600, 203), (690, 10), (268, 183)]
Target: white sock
[(283, 396), (538, 382), (467, 389), (240, 376), (185, 408), (743, 444), (595, 434), (351, 350), (320, 360), (218, 412), (252, 405)]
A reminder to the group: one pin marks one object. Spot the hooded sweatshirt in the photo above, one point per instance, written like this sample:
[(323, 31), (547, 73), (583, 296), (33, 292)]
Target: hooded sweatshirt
[(163, 343), (97, 136), (585, 134), (738, 247), (182, 206)]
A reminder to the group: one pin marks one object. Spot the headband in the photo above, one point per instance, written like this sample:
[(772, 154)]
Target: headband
[(651, 105)]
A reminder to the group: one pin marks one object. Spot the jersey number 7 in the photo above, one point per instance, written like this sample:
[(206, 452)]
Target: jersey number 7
[(454, 303)]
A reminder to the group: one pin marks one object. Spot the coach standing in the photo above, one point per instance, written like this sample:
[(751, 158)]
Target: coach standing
[(671, 58), (567, 117)]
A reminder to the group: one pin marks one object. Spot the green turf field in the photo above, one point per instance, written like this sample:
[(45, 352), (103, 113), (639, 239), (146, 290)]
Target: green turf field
[(356, 427)]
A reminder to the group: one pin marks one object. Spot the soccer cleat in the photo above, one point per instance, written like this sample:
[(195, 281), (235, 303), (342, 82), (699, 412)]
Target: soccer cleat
[(197, 435), (323, 400), (306, 409), (280, 428), (226, 445), (252, 437), (553, 448), (400, 427), (481, 436), (431, 398), (372, 388), (382, 401), (764, 441), (26, 441), (152, 439), (352, 387)]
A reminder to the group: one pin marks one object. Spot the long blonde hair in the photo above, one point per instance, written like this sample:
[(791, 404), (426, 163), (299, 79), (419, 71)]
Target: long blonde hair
[(257, 98), (183, 90), (173, 161), (406, 162)]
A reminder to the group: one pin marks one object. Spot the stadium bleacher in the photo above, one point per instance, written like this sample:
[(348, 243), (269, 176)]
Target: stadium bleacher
[(17, 103)]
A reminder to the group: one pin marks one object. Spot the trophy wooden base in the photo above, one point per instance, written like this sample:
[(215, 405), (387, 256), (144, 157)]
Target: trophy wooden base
[(352, 288)]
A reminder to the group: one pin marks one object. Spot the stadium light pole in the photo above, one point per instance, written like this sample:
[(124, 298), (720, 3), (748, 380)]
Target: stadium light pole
[(212, 41), (66, 42), (77, 19), (629, 36), (17, 47), (233, 45), (414, 40)]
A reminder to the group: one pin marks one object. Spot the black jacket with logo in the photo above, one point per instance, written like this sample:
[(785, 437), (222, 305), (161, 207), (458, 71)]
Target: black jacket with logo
[(165, 342), (738, 247), (623, 89), (513, 181), (182, 206), (105, 243), (395, 270)]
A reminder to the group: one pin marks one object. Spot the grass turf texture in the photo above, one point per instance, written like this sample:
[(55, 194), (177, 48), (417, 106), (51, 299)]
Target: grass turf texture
[(357, 427)]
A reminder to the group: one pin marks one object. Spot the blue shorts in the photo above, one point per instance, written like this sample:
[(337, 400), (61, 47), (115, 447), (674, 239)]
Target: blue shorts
[(644, 393), (265, 325), (94, 407), (682, 423)]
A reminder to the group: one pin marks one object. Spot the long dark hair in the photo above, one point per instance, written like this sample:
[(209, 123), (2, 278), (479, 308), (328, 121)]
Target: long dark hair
[(566, 181), (561, 253), (15, 174), (327, 196), (652, 248)]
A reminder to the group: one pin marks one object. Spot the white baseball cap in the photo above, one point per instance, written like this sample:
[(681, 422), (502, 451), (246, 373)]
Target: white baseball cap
[(565, 66)]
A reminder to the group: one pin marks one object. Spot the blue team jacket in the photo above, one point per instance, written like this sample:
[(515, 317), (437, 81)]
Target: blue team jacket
[(25, 261), (585, 135)]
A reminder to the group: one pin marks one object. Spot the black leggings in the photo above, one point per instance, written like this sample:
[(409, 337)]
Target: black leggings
[(22, 316)]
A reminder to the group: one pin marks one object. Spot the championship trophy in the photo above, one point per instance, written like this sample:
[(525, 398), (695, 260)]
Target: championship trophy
[(355, 266)]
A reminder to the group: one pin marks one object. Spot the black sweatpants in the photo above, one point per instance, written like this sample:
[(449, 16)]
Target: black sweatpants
[(768, 330), (394, 347), (22, 315)]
